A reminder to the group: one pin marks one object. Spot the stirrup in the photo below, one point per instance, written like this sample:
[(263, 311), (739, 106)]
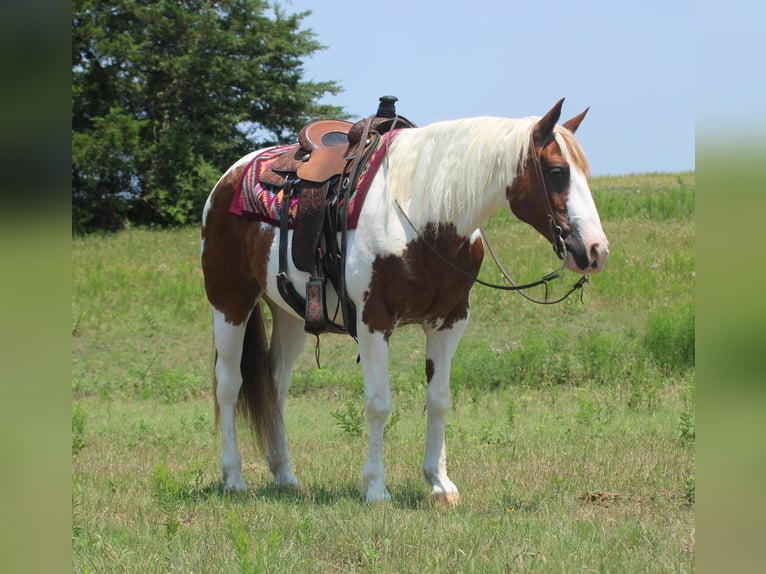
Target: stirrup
[(316, 312)]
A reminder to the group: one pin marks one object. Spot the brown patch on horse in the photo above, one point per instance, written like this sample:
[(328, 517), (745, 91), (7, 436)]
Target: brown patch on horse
[(524, 194), (417, 286), (429, 370), (576, 153), (236, 256)]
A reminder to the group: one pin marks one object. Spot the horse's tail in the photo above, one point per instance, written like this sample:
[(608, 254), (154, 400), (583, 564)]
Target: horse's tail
[(258, 396)]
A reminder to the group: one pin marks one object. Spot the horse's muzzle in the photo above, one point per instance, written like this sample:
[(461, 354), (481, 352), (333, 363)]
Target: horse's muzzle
[(586, 257)]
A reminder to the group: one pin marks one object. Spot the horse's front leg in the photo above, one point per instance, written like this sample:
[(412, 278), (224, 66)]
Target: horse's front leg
[(440, 348), (373, 352)]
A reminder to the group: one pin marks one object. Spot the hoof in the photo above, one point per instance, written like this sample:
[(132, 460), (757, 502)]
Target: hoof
[(285, 480), (290, 485), (378, 497), (446, 498), (234, 486)]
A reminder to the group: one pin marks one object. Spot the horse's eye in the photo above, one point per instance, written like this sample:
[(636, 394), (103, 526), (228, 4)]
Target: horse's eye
[(559, 174)]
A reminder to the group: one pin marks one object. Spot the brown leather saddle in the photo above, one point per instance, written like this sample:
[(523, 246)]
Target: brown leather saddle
[(322, 170), (319, 154)]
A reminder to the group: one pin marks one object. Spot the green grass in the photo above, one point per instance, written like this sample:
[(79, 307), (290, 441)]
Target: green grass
[(571, 436), (575, 479)]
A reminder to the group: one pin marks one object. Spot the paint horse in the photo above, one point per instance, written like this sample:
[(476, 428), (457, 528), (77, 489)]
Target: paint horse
[(410, 259)]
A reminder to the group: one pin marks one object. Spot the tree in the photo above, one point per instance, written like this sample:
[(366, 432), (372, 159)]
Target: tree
[(166, 94)]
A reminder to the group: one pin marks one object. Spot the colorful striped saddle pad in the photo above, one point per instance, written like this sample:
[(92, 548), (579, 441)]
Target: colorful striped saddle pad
[(264, 202)]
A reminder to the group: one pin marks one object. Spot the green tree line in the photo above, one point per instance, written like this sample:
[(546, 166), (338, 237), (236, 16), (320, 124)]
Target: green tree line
[(166, 94)]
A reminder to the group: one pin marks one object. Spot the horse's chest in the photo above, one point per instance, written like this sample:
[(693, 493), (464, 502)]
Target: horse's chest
[(418, 286)]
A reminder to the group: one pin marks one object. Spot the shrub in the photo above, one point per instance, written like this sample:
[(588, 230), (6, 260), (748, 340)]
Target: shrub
[(670, 338)]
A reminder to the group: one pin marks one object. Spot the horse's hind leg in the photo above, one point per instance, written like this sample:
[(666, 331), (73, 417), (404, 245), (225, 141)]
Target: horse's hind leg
[(440, 348), (228, 341), (288, 338)]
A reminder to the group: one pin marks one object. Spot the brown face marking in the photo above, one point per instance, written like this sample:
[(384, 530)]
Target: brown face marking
[(418, 287), (236, 255), (576, 153), (525, 197)]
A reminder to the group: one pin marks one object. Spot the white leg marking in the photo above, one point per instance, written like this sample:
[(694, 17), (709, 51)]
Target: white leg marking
[(228, 342), (287, 341), (373, 351), (440, 348)]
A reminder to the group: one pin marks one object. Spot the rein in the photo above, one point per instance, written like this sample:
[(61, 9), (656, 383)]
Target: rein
[(544, 281), (559, 247), (513, 285)]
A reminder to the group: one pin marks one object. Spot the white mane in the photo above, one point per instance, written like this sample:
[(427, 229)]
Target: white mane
[(443, 169)]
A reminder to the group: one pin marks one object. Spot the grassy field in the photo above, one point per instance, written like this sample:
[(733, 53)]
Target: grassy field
[(571, 438)]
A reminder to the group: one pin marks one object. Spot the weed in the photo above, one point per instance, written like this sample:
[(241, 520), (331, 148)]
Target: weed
[(76, 324), (645, 385), (241, 543), (306, 529), (79, 417), (352, 421), (266, 552), (170, 491), (510, 413), (169, 385), (393, 418), (686, 426), (168, 494), (689, 490), (76, 507), (593, 414)]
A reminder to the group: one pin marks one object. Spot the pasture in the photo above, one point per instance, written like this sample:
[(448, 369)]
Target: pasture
[(571, 435)]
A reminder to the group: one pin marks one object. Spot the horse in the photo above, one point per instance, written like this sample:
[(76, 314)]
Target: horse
[(411, 259)]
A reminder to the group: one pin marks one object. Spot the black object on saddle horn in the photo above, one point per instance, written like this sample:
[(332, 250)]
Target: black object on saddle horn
[(387, 107)]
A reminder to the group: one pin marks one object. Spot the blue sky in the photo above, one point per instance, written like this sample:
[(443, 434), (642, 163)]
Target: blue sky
[(632, 63)]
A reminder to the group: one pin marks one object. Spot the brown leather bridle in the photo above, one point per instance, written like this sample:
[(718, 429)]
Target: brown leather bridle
[(557, 240)]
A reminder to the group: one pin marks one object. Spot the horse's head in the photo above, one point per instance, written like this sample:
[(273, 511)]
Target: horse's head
[(551, 193)]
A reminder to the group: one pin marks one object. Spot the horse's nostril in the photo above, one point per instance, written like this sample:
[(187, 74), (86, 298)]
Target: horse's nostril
[(594, 254)]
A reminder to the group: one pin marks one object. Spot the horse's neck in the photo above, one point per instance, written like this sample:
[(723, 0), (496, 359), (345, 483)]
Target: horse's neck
[(456, 172), (465, 220), (492, 200)]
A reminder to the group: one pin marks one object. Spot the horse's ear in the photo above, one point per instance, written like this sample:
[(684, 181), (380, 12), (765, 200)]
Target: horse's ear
[(574, 123), (544, 128)]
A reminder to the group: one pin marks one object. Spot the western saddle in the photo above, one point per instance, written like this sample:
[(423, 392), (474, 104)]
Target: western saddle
[(322, 170)]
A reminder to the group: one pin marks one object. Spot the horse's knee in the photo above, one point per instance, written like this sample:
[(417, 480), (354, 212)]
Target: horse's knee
[(377, 407), (437, 403)]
